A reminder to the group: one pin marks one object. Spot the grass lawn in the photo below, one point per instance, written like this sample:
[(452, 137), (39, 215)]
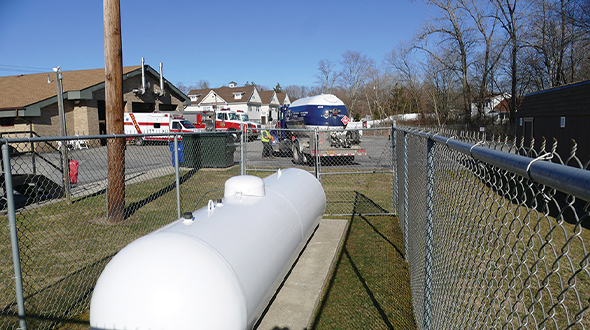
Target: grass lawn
[(370, 284), (86, 243)]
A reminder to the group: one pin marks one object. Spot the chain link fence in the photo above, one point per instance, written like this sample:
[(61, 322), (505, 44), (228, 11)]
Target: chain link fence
[(65, 232), (346, 162), (60, 206), (496, 231)]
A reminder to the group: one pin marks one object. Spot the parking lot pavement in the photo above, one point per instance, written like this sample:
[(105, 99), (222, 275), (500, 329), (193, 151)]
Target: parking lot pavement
[(294, 304)]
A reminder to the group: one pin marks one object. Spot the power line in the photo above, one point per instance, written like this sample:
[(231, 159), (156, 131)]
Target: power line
[(19, 68)]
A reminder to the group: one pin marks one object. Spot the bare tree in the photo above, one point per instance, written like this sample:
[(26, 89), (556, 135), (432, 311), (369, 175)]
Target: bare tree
[(353, 76), (183, 88), (327, 75), (558, 42), (490, 49), (296, 92), (401, 61), (512, 15), (440, 88), (580, 14), (202, 84), (456, 35)]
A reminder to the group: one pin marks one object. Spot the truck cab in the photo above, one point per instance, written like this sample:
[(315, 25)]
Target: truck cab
[(231, 120), (182, 125)]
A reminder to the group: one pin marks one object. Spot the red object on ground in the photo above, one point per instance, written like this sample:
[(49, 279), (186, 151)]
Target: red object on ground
[(74, 171)]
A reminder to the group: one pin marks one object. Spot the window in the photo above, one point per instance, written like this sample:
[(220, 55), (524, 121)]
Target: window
[(562, 123), (7, 122), (156, 125)]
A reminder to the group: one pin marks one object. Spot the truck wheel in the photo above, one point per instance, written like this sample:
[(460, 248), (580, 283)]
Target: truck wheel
[(297, 155), (139, 141), (233, 135)]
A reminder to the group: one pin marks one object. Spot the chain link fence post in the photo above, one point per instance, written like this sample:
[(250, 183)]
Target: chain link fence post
[(428, 236), (406, 197), (242, 146), (20, 301), (177, 174), (394, 168), (316, 153)]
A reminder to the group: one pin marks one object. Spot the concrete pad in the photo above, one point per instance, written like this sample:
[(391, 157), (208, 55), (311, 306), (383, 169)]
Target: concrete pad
[(295, 303)]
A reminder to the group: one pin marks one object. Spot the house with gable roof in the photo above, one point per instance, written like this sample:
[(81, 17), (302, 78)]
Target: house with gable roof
[(495, 106), (244, 98), (283, 99), (29, 102), (270, 106)]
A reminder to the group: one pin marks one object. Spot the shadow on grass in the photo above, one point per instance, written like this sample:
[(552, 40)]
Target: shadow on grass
[(357, 280), (133, 207), (73, 291)]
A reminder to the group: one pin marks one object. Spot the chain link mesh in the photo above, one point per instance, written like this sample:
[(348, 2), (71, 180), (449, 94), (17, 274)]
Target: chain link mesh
[(346, 162), (507, 252), (66, 235)]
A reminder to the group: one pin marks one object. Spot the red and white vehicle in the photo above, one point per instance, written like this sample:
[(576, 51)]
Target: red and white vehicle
[(236, 120), (155, 122)]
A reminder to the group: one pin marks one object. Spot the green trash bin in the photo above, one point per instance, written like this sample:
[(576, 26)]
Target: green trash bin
[(216, 150), (192, 155)]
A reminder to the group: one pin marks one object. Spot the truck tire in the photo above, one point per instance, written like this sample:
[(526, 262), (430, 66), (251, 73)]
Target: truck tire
[(297, 154), (234, 134), (139, 141)]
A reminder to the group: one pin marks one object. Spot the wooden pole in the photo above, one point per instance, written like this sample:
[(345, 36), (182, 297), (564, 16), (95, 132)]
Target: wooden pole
[(113, 59)]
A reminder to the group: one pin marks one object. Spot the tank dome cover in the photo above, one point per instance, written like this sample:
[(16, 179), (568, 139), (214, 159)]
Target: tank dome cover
[(244, 185)]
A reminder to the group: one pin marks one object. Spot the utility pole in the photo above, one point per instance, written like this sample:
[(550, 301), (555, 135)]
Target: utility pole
[(113, 59), (65, 162)]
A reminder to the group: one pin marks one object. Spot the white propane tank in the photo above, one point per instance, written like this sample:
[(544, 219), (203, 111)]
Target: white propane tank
[(218, 269)]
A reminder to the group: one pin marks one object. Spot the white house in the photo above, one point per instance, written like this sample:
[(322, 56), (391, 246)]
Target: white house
[(270, 106), (258, 105), (493, 106)]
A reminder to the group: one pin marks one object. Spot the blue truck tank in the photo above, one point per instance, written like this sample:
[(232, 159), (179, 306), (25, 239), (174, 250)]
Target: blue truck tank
[(317, 111)]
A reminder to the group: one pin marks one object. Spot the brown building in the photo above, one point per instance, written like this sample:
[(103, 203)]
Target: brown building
[(562, 113), (29, 102)]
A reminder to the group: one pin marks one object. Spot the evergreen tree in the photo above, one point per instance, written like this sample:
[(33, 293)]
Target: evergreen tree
[(278, 88)]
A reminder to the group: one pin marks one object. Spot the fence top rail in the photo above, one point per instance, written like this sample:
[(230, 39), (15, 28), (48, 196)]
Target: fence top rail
[(105, 136), (571, 180), (331, 128)]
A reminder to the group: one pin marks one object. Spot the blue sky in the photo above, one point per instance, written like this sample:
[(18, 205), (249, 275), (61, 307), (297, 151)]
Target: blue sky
[(267, 42)]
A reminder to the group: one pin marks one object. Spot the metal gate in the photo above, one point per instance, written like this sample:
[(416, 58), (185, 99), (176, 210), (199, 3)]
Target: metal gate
[(344, 172)]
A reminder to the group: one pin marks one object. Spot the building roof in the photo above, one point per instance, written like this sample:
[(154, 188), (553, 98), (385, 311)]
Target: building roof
[(281, 97), (573, 99), (22, 90), (33, 91), (266, 96), (225, 93), (199, 93)]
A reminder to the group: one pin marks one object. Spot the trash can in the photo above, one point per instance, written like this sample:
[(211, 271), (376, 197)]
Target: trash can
[(216, 150), (192, 155), (180, 153)]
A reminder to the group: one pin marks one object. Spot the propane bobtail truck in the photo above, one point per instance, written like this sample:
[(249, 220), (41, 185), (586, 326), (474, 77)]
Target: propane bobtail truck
[(325, 114)]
